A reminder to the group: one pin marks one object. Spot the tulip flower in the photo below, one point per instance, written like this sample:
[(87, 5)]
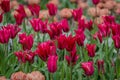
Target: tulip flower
[(5, 5), (38, 25), (100, 64), (95, 2), (25, 56), (80, 37), (81, 24), (52, 63), (70, 43), (4, 36), (115, 29), (89, 25), (109, 19), (64, 25), (116, 39), (77, 14), (88, 68), (52, 8), (14, 29), (45, 49), (35, 9), (91, 49), (72, 58), (104, 29), (55, 30), (26, 41), (61, 41), (98, 35), (1, 17)]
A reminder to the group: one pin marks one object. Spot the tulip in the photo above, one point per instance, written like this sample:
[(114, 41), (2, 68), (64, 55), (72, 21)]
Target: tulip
[(5, 5), (61, 41), (77, 14), (14, 29), (115, 29), (45, 49), (89, 25), (109, 19), (70, 43), (81, 24), (88, 68), (95, 2), (52, 63), (21, 10), (38, 25), (116, 39), (72, 58), (1, 17), (64, 25), (25, 56), (52, 8), (98, 35), (26, 41), (34, 9), (80, 37), (91, 49), (100, 64), (4, 36)]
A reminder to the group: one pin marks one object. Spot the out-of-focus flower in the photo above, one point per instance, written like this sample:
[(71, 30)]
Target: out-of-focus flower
[(104, 12), (98, 35), (116, 39), (82, 5), (80, 37), (5, 5), (100, 64), (3, 78), (13, 29), (38, 25), (52, 8), (18, 76), (25, 56), (34, 9), (52, 63), (1, 17), (95, 2), (104, 29), (70, 43), (72, 58), (91, 49), (92, 11), (31, 2), (26, 41), (66, 13), (55, 30), (77, 14), (4, 36), (64, 25), (61, 41), (44, 14), (45, 49), (110, 4), (88, 68)]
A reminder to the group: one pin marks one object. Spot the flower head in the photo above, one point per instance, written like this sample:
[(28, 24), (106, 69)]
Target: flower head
[(52, 8)]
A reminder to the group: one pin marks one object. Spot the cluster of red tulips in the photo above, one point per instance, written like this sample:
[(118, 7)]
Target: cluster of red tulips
[(76, 43)]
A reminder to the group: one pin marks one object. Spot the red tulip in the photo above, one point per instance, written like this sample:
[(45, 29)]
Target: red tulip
[(64, 25), (104, 29), (88, 68), (116, 39), (52, 63), (89, 25), (54, 31), (1, 17), (70, 43), (14, 29), (5, 5), (77, 14), (4, 36), (45, 49), (100, 64), (81, 24), (52, 8), (109, 19), (95, 2), (26, 41), (39, 25), (98, 35), (115, 29), (25, 56), (21, 10), (72, 58), (61, 41), (91, 49), (80, 37), (35, 9)]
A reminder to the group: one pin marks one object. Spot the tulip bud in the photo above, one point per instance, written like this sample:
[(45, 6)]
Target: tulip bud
[(95, 2), (100, 64), (91, 49)]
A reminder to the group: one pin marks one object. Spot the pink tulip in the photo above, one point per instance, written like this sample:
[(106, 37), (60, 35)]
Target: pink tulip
[(52, 8), (91, 49), (95, 2), (5, 5), (116, 39), (77, 14)]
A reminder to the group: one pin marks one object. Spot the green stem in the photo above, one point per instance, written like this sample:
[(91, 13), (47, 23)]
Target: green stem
[(70, 71), (24, 26), (51, 76)]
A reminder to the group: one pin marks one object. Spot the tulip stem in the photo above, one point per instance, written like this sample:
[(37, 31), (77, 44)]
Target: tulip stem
[(51, 76), (70, 71)]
